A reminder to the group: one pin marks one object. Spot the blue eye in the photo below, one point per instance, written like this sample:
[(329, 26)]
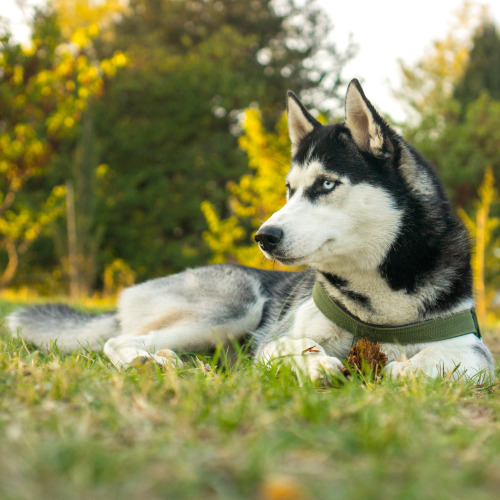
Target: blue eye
[(328, 185)]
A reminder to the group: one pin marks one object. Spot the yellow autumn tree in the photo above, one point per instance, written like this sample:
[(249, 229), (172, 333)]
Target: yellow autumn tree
[(77, 15), (255, 197), (482, 226), (46, 87)]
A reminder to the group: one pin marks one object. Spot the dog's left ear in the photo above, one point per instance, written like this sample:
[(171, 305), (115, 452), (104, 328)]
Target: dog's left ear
[(367, 128), (300, 121)]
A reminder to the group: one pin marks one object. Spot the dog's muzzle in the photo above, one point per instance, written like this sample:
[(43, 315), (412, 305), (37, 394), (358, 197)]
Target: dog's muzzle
[(268, 238)]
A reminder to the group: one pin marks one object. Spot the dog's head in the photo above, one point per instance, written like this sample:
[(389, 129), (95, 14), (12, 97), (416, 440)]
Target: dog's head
[(342, 203)]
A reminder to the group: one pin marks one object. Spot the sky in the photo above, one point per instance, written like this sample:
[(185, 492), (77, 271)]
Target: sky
[(385, 31)]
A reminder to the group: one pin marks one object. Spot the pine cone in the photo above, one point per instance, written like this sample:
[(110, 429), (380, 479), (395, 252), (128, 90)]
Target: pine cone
[(365, 354)]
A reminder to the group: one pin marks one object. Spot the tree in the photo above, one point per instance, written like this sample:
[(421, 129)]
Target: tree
[(286, 45), (44, 90), (258, 194), (148, 144), (465, 147), (482, 70), (167, 126), (482, 227), (74, 15)]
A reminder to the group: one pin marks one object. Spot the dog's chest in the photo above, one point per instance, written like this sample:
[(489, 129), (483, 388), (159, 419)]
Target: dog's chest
[(309, 322)]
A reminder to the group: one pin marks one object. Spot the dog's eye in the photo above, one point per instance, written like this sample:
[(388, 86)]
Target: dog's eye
[(328, 185), (325, 186)]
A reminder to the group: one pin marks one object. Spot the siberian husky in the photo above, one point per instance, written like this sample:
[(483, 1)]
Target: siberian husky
[(367, 215)]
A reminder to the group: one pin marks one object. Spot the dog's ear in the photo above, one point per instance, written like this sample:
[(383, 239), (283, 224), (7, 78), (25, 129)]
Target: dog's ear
[(300, 121), (367, 128)]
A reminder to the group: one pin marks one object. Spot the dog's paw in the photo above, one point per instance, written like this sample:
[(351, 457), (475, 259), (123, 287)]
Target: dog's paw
[(321, 368), (165, 358), (398, 369)]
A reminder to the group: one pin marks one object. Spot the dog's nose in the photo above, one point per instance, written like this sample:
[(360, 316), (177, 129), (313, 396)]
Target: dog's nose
[(268, 237)]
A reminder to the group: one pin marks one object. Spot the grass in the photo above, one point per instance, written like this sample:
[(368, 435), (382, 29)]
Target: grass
[(72, 426)]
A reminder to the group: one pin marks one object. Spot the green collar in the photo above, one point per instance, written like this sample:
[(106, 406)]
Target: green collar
[(456, 325)]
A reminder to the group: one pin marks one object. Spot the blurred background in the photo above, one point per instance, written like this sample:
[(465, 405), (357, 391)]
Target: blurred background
[(140, 137)]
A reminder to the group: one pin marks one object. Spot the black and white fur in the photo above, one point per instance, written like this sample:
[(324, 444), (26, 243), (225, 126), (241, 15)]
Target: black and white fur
[(368, 216)]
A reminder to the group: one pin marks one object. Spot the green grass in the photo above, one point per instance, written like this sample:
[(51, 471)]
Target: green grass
[(72, 426)]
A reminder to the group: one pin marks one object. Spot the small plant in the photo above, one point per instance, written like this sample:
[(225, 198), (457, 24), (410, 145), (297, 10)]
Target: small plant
[(365, 358)]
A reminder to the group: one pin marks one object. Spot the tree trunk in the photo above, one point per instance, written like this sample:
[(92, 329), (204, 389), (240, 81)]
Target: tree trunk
[(74, 285), (12, 263)]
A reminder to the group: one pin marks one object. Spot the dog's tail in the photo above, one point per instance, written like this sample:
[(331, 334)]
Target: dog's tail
[(60, 325)]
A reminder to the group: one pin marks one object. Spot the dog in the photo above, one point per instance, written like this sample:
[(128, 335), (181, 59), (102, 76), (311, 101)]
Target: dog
[(369, 217)]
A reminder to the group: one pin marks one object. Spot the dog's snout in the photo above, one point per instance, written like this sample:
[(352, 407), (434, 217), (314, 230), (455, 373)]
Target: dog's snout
[(268, 237)]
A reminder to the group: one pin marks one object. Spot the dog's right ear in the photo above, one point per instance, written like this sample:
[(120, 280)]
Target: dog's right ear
[(300, 121)]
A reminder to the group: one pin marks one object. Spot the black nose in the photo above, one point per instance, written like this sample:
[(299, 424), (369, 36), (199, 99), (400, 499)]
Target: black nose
[(268, 237)]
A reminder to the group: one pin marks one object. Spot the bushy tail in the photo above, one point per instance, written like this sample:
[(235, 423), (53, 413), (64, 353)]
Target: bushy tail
[(67, 328)]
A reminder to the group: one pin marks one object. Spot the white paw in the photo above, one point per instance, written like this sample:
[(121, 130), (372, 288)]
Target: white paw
[(165, 357), (397, 369), (321, 367)]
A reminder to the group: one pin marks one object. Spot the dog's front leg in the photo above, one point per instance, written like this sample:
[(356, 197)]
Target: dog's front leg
[(305, 356), (459, 357)]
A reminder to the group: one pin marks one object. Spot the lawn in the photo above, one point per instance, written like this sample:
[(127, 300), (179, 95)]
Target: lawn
[(72, 426)]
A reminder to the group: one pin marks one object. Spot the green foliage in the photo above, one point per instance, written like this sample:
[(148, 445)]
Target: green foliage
[(286, 46), (166, 151), (44, 90), (140, 140), (257, 195), (464, 148), (167, 126), (482, 71), (72, 426)]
